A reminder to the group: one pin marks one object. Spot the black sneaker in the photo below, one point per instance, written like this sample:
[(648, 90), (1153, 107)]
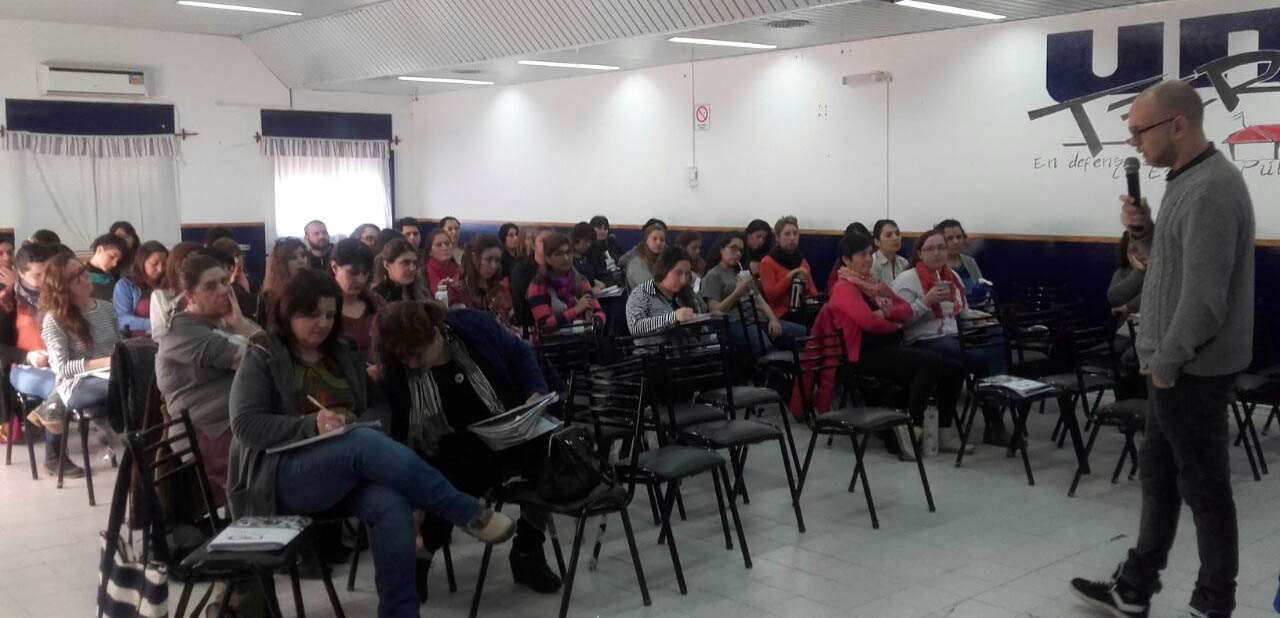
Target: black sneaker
[(530, 569), (1115, 597), (69, 470)]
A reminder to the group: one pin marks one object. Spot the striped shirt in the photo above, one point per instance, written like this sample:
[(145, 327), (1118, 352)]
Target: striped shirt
[(67, 355)]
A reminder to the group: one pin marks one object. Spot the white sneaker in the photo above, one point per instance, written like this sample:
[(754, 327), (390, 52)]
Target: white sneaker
[(904, 443)]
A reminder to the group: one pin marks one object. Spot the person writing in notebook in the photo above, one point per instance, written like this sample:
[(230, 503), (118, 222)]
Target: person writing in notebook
[(365, 473)]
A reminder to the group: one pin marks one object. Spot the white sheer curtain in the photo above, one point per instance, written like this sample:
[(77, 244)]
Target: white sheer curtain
[(342, 182), (78, 185)]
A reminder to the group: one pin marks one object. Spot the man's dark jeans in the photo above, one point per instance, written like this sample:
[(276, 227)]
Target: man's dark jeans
[(1185, 457)]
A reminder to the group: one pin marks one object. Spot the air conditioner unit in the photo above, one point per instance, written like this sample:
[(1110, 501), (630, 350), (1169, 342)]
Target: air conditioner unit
[(62, 80)]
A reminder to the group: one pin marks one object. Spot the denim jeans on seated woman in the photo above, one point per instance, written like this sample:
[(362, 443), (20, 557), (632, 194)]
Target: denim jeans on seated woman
[(32, 381), (983, 362), (369, 475), (745, 338)]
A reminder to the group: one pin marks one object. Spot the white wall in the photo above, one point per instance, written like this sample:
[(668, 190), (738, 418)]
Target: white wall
[(787, 137), (217, 86)]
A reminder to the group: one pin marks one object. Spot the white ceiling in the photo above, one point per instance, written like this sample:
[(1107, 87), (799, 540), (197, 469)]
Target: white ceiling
[(361, 45)]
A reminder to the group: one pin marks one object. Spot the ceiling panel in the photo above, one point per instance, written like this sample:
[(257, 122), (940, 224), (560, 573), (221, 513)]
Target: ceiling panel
[(167, 15)]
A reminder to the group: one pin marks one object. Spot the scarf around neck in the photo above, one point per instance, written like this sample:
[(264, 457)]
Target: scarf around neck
[(928, 279), (868, 284), (563, 286), (427, 421), (789, 261)]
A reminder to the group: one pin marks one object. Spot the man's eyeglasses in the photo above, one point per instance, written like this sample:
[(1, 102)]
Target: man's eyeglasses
[(1135, 135)]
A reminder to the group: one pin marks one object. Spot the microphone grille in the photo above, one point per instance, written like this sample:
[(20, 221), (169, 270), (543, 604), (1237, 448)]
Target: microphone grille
[(1131, 165)]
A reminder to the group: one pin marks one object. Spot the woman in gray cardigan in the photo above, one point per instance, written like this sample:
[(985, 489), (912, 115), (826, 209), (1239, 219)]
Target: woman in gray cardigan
[(303, 382), (960, 262)]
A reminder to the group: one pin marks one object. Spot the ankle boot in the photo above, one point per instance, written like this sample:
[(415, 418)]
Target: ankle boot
[(529, 568)]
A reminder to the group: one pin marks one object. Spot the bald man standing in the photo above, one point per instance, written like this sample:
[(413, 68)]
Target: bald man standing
[(1196, 334)]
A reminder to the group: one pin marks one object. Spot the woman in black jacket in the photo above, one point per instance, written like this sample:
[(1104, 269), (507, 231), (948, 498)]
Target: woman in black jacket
[(446, 370)]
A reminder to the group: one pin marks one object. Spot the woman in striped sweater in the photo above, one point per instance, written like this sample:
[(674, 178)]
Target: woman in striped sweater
[(559, 295), (80, 333), (667, 299)]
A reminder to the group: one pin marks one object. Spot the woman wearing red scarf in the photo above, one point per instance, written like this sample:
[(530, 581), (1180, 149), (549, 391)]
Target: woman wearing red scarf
[(440, 264), (871, 318), (559, 295), (936, 297)]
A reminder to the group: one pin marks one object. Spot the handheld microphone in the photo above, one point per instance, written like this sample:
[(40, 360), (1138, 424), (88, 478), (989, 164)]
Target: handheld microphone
[(1131, 167)]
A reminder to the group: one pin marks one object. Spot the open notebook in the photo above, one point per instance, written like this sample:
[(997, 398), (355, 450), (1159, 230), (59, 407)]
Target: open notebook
[(517, 425), (345, 429), (259, 533)]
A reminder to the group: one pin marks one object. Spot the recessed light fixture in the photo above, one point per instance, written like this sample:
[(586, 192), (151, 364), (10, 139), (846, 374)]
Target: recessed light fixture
[(445, 80), (237, 7), (942, 8), (718, 43), (567, 65)]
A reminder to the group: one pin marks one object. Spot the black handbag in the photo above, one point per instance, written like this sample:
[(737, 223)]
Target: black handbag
[(572, 468)]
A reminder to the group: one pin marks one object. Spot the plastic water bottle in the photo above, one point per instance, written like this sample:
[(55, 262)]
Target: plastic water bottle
[(797, 294), (442, 294)]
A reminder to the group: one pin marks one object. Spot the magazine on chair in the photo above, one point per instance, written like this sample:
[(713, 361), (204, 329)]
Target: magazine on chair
[(259, 533), (1020, 386)]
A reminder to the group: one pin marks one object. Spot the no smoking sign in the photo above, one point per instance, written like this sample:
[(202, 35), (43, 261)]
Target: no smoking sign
[(702, 117)]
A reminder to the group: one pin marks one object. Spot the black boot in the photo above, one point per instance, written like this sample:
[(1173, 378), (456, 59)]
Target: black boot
[(53, 448), (529, 568), (994, 432)]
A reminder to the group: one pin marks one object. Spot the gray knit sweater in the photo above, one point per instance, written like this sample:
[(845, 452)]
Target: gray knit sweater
[(1197, 300)]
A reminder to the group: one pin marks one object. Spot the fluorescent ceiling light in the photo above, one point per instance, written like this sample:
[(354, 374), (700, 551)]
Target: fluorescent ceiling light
[(567, 65), (445, 80), (685, 39), (942, 8), (237, 7)]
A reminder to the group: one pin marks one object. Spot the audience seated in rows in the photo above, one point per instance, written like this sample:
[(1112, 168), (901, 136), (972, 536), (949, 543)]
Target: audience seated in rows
[(871, 318), (453, 227), (439, 262), (445, 370), (781, 267), (396, 275), (107, 252), (725, 286), (605, 253), (132, 296), (937, 298), (581, 239), (198, 357), (7, 275), (558, 295), (352, 264), (166, 297), (853, 228), (301, 382), (482, 285), (525, 269), (409, 230), (691, 243)]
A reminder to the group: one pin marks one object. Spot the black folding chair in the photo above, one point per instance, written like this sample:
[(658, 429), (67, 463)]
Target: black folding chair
[(162, 451), (824, 357), (24, 403), (612, 495)]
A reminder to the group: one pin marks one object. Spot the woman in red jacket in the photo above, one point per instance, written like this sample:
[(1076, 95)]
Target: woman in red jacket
[(871, 317), (783, 265)]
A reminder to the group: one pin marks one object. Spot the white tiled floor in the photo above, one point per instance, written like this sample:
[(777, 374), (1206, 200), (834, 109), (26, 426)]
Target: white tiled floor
[(995, 548)]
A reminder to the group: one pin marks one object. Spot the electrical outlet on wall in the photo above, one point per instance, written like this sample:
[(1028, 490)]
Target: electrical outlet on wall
[(693, 175)]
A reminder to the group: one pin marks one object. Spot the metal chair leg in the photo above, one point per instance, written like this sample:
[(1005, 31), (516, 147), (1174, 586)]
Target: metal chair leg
[(791, 484), (573, 566), (737, 521), (1088, 448), (673, 489), (355, 557), (635, 554), (724, 519), (84, 448), (924, 478)]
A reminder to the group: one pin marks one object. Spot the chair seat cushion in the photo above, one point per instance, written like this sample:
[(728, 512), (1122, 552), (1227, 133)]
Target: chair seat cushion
[(603, 497), (1257, 388), (777, 357), (1068, 382), (677, 462), (743, 396), (862, 419), (721, 434), (203, 563), (1125, 413), (689, 413)]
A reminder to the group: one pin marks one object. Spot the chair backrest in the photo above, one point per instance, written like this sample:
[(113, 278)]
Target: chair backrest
[(749, 314), (1041, 296), (562, 354), (699, 362), (1028, 330), (617, 398), (817, 358), (160, 453), (977, 334), (1092, 348)]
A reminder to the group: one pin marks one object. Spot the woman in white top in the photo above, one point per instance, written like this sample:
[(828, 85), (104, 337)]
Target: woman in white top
[(886, 264), (937, 297), (167, 296)]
